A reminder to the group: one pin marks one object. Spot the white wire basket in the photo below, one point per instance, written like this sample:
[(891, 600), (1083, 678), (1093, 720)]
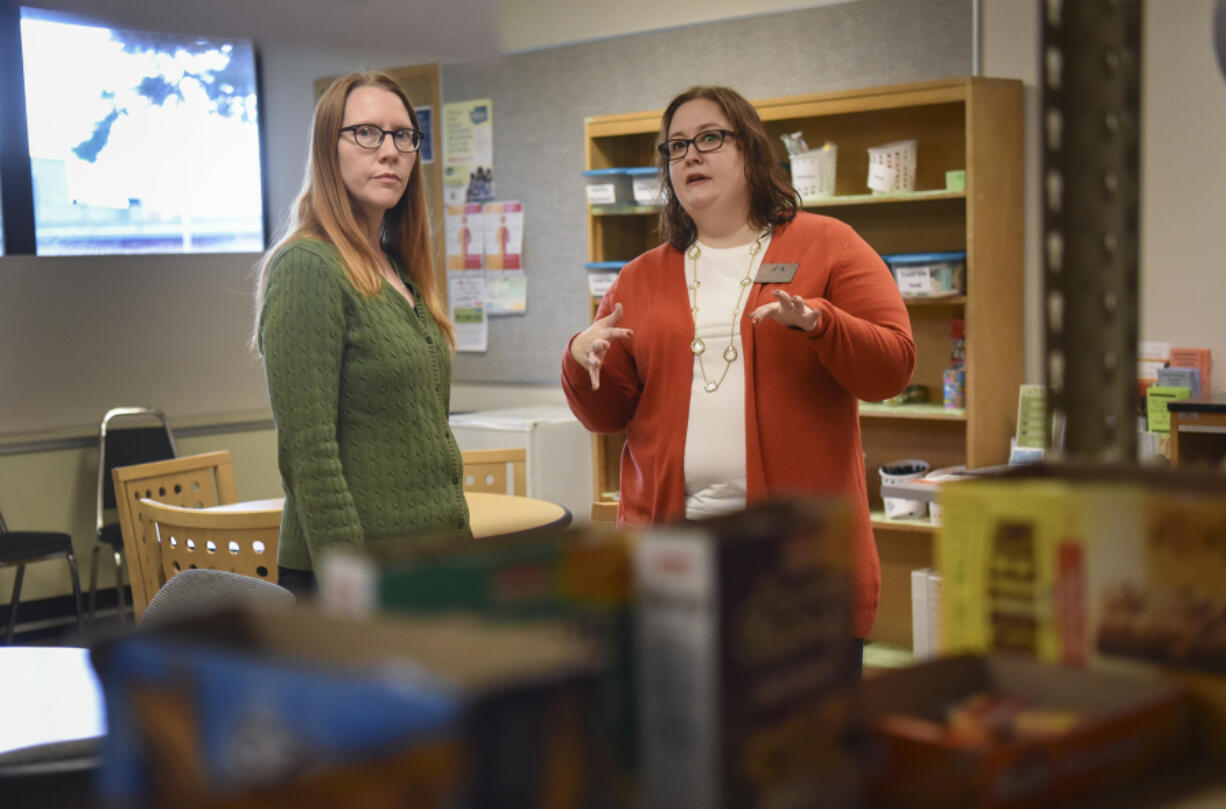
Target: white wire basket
[(813, 172), (891, 167)]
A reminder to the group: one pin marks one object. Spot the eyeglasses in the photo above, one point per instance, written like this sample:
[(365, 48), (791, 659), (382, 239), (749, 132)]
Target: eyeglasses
[(675, 149), (369, 136)]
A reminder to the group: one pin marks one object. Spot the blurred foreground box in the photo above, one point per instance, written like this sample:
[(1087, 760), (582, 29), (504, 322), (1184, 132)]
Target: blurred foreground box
[(1112, 568), (581, 576), (299, 709), (743, 644), (1003, 731)]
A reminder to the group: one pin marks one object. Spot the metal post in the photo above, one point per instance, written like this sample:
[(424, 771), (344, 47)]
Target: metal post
[(1090, 120)]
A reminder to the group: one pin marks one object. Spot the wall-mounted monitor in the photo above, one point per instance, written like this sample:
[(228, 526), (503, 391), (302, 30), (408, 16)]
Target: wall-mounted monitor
[(140, 142)]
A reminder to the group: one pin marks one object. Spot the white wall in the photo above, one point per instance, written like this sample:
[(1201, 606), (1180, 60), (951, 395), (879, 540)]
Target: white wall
[(530, 24), (1183, 171), (1183, 181)]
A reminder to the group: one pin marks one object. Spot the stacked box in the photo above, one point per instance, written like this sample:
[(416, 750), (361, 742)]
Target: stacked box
[(743, 637), (1109, 568), (244, 708), (1045, 734), (581, 576)]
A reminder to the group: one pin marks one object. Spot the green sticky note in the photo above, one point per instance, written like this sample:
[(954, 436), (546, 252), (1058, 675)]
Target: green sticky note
[(1032, 417), (1156, 397)]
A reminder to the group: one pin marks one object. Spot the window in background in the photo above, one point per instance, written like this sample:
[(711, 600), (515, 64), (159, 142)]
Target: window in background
[(140, 142)]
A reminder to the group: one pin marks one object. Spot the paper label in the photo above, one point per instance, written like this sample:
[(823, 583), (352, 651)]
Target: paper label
[(598, 283), (880, 177), (603, 194)]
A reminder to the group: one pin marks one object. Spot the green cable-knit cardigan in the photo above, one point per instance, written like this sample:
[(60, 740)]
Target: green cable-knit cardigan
[(360, 388)]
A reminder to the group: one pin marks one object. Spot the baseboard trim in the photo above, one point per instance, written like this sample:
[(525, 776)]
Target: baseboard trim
[(42, 618)]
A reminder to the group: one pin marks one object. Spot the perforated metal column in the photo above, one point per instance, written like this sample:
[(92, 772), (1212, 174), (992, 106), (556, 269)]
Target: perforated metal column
[(1090, 120)]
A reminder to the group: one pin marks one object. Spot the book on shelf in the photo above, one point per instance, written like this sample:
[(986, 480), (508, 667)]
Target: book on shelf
[(925, 613)]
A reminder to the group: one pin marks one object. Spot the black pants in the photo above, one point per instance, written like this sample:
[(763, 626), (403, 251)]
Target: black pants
[(301, 583)]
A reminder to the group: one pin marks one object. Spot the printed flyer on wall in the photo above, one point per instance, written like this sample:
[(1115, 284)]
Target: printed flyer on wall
[(463, 226), (466, 300), (506, 285), (468, 156)]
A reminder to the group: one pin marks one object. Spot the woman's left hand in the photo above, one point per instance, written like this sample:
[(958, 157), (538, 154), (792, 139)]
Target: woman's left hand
[(790, 310)]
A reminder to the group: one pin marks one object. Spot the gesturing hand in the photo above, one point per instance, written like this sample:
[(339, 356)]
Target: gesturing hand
[(790, 310), (589, 346)]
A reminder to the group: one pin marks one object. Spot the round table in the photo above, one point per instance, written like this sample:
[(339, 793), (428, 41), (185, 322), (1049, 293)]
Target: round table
[(491, 514)]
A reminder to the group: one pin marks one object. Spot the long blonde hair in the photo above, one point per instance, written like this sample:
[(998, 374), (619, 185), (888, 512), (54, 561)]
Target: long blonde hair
[(324, 210)]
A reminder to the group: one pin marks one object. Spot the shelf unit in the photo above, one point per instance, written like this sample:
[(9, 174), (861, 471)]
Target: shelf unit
[(973, 124)]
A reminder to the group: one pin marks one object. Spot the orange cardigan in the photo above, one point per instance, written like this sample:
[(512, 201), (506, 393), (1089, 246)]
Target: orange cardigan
[(802, 389)]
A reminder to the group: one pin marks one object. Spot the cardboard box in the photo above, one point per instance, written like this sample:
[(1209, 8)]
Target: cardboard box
[(581, 576), (1118, 727), (743, 636), (1113, 568), (245, 708)]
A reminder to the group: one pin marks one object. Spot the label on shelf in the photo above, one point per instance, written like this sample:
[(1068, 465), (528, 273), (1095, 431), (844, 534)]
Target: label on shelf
[(598, 283), (602, 194)]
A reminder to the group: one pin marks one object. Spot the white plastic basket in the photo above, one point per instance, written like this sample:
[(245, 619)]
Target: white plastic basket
[(813, 172), (891, 167)]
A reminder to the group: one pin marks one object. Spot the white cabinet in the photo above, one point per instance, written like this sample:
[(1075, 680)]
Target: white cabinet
[(559, 449)]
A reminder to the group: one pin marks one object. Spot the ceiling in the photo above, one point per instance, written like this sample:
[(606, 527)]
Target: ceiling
[(426, 30)]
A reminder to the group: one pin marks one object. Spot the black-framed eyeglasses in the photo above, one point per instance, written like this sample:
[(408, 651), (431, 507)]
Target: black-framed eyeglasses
[(369, 136), (706, 141)]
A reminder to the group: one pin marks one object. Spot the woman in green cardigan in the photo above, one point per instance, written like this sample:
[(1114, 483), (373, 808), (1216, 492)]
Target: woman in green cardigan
[(356, 341)]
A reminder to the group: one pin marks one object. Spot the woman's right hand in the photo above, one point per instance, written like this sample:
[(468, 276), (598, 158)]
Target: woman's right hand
[(590, 346)]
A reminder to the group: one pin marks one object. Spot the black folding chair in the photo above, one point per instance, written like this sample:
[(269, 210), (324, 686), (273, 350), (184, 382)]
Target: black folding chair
[(19, 548), (126, 436)]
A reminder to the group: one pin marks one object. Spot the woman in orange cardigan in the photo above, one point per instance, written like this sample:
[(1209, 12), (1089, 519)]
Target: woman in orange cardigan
[(735, 354)]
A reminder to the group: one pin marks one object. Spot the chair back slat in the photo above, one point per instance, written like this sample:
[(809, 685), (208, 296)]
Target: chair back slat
[(240, 541), (194, 481), (490, 470)]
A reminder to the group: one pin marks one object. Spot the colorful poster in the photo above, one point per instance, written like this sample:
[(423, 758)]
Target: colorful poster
[(463, 226), (506, 286), (504, 235), (468, 155), (466, 301), (425, 120)]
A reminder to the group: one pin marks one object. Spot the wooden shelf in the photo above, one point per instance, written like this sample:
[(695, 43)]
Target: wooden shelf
[(944, 300), (843, 200), (928, 410), (880, 521), (623, 210)]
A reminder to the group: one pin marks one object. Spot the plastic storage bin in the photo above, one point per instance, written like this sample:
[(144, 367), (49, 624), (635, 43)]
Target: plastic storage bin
[(891, 167), (813, 172), (645, 183), (928, 275), (609, 187)]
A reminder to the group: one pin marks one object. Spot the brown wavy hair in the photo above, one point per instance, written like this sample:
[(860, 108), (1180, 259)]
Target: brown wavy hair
[(324, 209), (772, 199)]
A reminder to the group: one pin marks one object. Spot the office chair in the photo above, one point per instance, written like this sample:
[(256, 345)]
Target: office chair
[(19, 548), (123, 446), (196, 591)]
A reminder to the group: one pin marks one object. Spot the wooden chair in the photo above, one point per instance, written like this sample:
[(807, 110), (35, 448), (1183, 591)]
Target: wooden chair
[(604, 512), (238, 540), (195, 481), (488, 470)]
